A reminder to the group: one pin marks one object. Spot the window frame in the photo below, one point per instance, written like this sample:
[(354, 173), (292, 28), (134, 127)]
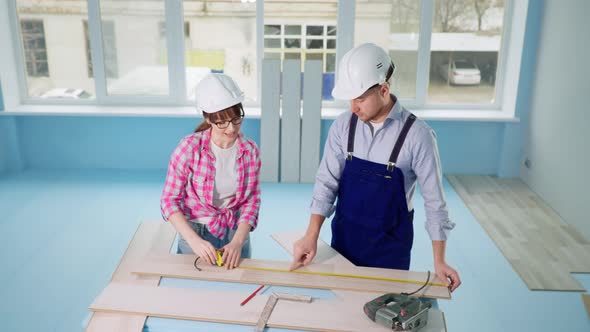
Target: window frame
[(12, 65)]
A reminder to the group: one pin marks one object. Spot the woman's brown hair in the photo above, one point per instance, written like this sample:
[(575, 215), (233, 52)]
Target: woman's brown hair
[(223, 115)]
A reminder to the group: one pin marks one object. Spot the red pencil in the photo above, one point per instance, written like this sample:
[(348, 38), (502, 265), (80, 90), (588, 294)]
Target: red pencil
[(251, 295)]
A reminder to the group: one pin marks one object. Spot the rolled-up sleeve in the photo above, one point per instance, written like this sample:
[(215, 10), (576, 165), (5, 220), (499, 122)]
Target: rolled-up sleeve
[(426, 164), (173, 194), (249, 210), (328, 175)]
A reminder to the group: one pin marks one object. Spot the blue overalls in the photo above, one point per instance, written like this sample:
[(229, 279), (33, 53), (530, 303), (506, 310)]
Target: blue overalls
[(372, 226)]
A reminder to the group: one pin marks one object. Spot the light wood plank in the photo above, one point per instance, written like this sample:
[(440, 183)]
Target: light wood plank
[(586, 300), (539, 245), (291, 121), (436, 320), (270, 120), (154, 237), (181, 266), (324, 254), (213, 306), (311, 123)]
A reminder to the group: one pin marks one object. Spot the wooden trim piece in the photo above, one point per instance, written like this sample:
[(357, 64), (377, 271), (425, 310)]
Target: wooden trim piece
[(181, 266), (586, 300), (213, 306), (149, 237)]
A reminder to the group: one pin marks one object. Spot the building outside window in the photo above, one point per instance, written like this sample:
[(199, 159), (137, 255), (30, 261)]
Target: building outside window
[(35, 47)]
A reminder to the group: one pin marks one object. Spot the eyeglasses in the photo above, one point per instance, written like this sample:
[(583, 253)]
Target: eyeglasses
[(225, 124)]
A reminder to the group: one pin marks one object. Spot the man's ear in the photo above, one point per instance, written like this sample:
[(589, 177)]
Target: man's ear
[(384, 90)]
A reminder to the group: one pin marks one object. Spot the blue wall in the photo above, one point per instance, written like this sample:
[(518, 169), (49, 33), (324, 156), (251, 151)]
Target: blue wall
[(9, 151), (105, 142), (514, 133)]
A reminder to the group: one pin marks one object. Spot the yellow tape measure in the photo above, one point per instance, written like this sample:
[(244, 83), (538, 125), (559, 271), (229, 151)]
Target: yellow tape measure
[(219, 258), (356, 276)]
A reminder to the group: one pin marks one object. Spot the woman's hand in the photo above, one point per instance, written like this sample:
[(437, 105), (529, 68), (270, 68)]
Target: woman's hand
[(231, 254), (203, 249)]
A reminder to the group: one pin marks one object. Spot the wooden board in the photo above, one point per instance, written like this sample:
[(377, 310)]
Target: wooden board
[(324, 255), (270, 120), (539, 245), (436, 318), (586, 300), (311, 121), (181, 266), (291, 121), (150, 237), (213, 306)]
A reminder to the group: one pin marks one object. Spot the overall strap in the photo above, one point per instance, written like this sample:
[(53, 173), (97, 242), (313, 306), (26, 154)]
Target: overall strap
[(400, 141), (351, 131)]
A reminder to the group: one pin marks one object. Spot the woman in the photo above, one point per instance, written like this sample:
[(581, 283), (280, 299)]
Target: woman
[(212, 190)]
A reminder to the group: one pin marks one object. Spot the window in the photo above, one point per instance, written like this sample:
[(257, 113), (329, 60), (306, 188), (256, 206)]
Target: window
[(35, 48), (224, 42), (396, 29), (304, 42), (464, 51), (53, 50), (449, 54), (131, 58), (110, 54)]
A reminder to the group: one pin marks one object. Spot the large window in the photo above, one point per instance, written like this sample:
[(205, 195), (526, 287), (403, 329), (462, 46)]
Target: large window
[(449, 54)]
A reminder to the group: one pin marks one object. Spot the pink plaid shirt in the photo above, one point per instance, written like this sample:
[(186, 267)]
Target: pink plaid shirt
[(190, 180)]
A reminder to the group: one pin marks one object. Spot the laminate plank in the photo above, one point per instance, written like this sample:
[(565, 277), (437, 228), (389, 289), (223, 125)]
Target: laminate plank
[(181, 266), (539, 245), (154, 237), (212, 306)]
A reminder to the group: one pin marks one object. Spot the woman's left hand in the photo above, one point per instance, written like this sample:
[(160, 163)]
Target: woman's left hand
[(231, 254)]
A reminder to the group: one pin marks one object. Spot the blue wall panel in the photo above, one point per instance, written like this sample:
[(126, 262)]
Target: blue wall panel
[(106, 142)]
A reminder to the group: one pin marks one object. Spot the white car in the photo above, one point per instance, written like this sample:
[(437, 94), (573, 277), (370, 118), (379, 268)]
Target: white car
[(64, 93), (460, 72)]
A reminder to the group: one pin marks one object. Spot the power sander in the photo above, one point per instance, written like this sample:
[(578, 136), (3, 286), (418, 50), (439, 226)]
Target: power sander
[(399, 312)]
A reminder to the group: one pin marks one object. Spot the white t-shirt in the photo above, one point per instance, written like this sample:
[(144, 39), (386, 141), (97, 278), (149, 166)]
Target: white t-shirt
[(376, 126), (226, 177)]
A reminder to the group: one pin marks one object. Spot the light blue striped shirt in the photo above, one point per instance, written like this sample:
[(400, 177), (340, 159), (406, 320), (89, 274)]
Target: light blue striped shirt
[(418, 160)]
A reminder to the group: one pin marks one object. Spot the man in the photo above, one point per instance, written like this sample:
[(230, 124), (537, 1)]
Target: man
[(372, 167)]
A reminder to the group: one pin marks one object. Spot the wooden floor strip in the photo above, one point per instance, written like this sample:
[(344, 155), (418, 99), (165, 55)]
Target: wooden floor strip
[(149, 237), (539, 245), (198, 304), (181, 266)]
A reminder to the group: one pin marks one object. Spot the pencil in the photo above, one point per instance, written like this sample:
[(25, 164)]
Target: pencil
[(251, 295)]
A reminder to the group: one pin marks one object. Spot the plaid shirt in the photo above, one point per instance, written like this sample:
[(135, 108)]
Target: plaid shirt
[(190, 181)]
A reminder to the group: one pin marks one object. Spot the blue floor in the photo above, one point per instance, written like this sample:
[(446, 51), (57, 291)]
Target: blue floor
[(64, 233)]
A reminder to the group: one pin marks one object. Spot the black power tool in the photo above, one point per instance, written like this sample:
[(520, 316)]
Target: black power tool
[(399, 312)]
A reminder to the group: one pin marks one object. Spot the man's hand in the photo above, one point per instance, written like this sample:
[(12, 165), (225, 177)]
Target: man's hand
[(304, 251), (447, 275)]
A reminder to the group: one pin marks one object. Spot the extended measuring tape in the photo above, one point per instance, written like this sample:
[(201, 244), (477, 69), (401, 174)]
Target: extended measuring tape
[(331, 274)]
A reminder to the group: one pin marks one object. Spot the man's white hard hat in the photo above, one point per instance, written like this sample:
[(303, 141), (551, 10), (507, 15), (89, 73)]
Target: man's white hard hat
[(216, 92), (360, 69)]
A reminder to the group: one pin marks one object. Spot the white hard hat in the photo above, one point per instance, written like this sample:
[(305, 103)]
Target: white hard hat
[(217, 92), (360, 69)]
